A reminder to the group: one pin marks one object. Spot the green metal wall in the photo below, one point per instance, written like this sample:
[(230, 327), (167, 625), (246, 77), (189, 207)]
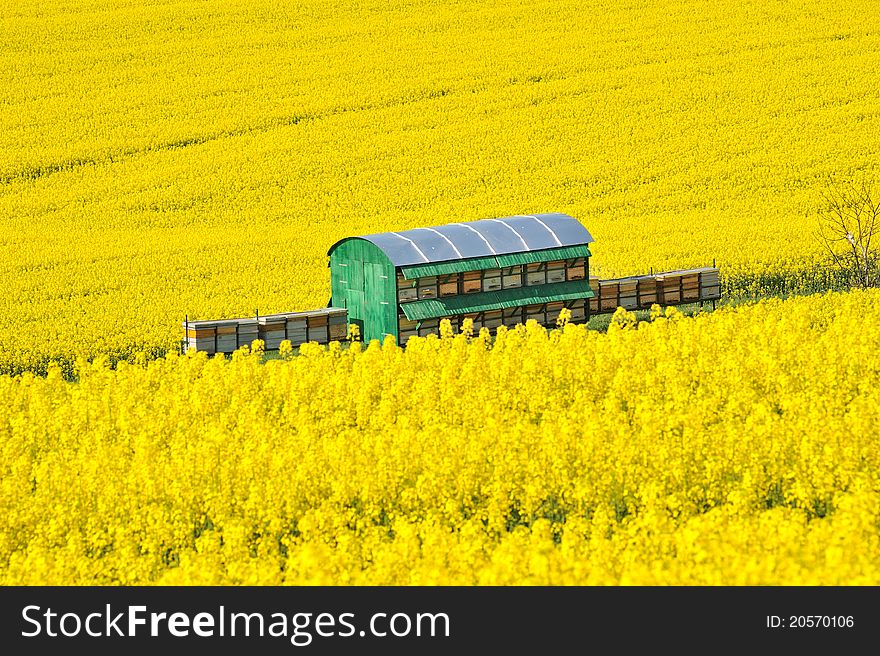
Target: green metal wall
[(364, 281)]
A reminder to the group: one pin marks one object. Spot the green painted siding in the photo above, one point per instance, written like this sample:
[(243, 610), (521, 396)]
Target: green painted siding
[(381, 302), (494, 262), (364, 281)]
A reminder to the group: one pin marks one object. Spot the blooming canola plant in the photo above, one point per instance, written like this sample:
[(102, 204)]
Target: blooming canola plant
[(166, 158)]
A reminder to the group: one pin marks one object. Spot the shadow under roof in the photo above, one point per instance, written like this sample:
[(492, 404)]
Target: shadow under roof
[(483, 238)]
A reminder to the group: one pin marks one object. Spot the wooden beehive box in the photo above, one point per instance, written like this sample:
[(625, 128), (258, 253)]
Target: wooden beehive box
[(647, 292), (493, 318), (510, 317), (324, 325), (609, 291), (219, 336), (596, 289), (710, 285), (690, 287), (553, 310), (429, 327), (537, 313), (578, 311), (407, 328), (628, 298), (669, 288)]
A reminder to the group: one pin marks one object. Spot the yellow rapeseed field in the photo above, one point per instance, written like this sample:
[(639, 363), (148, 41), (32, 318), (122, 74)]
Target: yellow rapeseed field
[(737, 447), (194, 157), (167, 158)]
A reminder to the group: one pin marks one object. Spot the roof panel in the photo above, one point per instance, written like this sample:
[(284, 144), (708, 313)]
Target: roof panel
[(567, 231), (502, 237), (534, 231), (468, 243), (484, 238), (398, 248), (433, 243)]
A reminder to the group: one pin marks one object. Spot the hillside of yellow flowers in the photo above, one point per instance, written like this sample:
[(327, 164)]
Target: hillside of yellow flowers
[(159, 159), (734, 447)]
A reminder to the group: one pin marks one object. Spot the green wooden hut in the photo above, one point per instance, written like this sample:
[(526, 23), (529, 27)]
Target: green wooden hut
[(494, 271)]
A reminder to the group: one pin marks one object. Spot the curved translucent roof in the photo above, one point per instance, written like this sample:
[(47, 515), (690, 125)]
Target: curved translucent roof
[(483, 238)]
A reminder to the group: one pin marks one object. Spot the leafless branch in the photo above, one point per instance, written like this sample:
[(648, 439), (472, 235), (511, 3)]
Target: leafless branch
[(848, 222)]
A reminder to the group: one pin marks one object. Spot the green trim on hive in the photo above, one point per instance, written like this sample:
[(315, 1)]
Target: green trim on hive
[(494, 262), (451, 266), (549, 255), (432, 308)]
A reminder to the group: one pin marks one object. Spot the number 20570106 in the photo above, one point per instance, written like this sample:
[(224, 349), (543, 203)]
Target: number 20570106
[(810, 622)]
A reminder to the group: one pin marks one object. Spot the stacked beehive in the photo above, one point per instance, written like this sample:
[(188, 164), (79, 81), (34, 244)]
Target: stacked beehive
[(536, 312), (647, 291), (631, 293), (275, 328), (325, 325), (595, 288), (668, 288), (553, 310), (688, 286), (227, 335), (512, 316), (609, 293), (578, 311), (224, 336), (408, 328), (710, 285), (628, 293)]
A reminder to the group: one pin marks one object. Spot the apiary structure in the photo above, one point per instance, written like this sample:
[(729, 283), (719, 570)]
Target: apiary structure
[(496, 272)]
